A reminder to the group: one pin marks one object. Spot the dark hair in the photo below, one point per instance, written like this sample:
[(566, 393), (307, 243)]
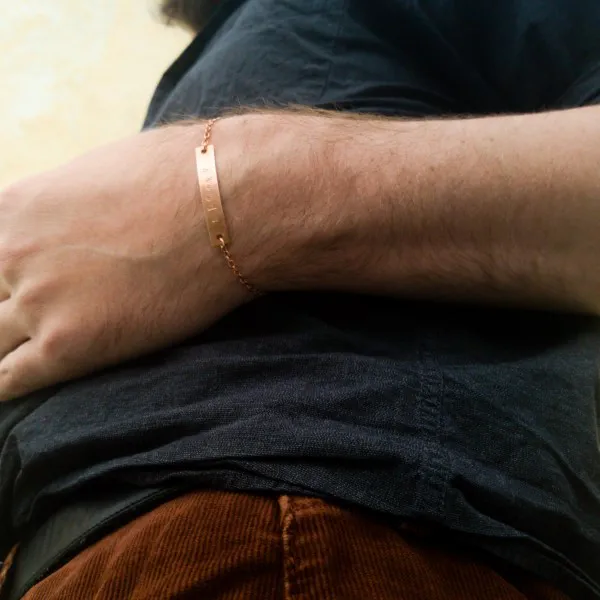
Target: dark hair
[(191, 14)]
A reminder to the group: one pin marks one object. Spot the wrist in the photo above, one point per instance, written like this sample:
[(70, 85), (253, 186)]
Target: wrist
[(255, 177), (296, 204), (211, 277)]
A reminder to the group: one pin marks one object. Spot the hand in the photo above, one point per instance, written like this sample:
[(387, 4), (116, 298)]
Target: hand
[(105, 259)]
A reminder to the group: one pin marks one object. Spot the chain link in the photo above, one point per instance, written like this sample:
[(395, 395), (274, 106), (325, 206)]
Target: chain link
[(224, 249), (207, 134), (231, 264)]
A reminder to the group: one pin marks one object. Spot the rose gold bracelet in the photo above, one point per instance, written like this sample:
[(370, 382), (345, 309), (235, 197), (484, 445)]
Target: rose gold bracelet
[(213, 206)]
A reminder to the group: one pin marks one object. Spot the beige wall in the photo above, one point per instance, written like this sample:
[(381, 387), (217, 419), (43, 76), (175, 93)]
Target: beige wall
[(75, 74)]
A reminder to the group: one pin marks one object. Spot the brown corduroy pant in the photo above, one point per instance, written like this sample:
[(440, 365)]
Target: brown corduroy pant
[(226, 546)]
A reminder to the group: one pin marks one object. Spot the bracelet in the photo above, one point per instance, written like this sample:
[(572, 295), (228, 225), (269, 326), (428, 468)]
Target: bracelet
[(213, 206)]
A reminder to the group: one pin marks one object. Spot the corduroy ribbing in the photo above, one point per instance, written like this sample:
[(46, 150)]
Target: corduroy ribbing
[(228, 546)]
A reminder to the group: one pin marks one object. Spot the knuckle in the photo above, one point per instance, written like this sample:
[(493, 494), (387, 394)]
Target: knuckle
[(52, 345), (30, 297), (34, 299)]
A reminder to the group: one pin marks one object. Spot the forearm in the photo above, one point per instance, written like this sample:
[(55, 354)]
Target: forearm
[(502, 210)]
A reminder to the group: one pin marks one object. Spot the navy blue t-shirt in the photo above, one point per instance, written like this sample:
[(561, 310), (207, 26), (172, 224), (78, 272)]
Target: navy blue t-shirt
[(482, 422)]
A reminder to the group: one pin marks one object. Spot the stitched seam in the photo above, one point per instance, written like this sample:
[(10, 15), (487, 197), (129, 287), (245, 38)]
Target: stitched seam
[(433, 469), (289, 563)]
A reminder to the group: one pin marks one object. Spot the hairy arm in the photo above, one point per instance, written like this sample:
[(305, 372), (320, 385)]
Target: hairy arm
[(502, 210), (106, 258)]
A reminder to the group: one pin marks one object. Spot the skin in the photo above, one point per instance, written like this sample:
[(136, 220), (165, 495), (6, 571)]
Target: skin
[(503, 211), (107, 257)]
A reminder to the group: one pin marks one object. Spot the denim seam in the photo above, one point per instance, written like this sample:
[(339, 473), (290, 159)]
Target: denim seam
[(432, 470)]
